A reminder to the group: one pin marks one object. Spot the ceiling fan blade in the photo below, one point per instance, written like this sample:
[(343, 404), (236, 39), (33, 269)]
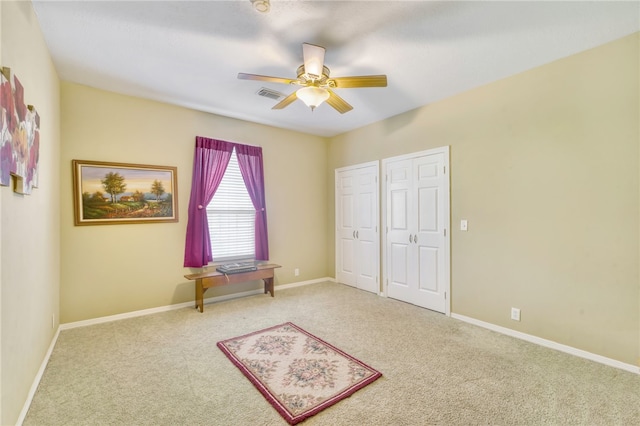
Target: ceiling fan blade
[(286, 101), (243, 76), (359, 81), (313, 59), (338, 103)]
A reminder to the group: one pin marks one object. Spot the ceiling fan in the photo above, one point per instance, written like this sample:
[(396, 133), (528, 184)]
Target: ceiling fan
[(316, 83)]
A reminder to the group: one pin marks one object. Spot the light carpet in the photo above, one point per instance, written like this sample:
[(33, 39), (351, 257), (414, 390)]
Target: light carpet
[(164, 369)]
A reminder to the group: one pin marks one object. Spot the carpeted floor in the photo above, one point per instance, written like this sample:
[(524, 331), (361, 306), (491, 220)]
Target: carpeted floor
[(165, 369)]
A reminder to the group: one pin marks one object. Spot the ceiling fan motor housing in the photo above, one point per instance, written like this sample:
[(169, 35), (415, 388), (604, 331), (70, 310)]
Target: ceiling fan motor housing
[(313, 80)]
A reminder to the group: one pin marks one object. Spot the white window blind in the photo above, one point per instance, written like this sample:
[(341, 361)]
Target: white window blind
[(231, 217)]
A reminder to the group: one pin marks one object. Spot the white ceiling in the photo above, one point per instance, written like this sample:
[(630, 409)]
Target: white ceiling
[(189, 53)]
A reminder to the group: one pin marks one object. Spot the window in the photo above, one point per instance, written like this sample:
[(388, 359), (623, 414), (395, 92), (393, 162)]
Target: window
[(231, 217), (232, 221)]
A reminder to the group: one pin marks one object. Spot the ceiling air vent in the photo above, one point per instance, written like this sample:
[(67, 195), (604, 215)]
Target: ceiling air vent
[(271, 94)]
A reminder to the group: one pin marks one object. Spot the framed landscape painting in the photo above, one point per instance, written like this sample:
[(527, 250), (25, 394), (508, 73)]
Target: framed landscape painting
[(115, 193)]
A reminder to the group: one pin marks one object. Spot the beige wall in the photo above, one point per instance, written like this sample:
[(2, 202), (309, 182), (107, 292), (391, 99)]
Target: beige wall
[(544, 166), (30, 261), (114, 269)]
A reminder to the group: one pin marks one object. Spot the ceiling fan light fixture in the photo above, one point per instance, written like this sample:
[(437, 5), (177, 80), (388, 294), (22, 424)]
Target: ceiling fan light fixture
[(261, 6), (315, 83), (312, 96)]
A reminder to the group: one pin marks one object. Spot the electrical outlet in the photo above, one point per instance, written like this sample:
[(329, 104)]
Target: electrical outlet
[(296, 272), (515, 314), (464, 225)]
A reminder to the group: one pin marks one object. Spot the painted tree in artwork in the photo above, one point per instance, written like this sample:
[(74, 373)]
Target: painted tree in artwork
[(113, 184), (138, 196), (157, 189)]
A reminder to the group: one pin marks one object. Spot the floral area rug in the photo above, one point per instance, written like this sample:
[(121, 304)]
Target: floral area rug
[(298, 373)]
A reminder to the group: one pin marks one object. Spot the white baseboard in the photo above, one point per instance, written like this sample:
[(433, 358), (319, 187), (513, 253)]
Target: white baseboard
[(150, 311), (301, 283), (550, 344), (36, 381)]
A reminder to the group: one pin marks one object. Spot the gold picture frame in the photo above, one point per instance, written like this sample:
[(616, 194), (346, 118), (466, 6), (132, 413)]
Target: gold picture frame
[(120, 193)]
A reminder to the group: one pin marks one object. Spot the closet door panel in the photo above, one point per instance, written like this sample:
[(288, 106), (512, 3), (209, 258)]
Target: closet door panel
[(428, 269), (357, 227), (345, 227), (367, 235), (399, 255), (417, 217), (400, 224)]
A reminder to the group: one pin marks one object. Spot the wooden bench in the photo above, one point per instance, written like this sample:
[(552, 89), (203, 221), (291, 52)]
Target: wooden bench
[(206, 280)]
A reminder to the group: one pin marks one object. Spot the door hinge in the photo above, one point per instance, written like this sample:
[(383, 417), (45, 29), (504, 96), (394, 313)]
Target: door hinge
[(445, 295), (444, 169), (386, 178), (445, 232)]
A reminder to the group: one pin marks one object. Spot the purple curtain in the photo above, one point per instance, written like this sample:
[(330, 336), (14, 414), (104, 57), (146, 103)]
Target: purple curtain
[(210, 161), (250, 162)]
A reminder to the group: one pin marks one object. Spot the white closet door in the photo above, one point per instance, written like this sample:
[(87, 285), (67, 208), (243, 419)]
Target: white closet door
[(346, 227), (357, 230), (429, 239), (417, 219), (400, 224), (367, 236)]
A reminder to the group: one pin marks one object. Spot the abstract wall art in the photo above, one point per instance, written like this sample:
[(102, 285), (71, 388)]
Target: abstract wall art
[(20, 136)]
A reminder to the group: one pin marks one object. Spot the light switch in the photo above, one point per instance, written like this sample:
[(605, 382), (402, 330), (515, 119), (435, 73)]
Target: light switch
[(463, 225)]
